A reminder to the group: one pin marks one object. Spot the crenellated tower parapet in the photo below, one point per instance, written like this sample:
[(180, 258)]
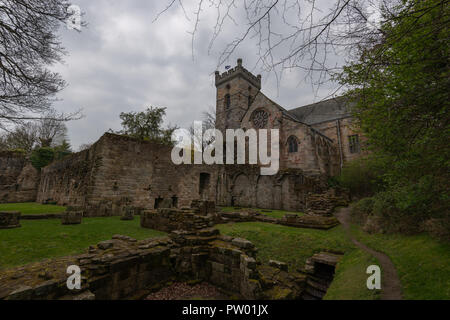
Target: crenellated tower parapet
[(238, 71)]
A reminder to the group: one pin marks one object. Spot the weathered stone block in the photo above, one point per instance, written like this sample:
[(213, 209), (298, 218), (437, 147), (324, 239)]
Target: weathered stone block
[(9, 220), (74, 208), (86, 295), (128, 213), (105, 244), (242, 243), (21, 293), (72, 217), (278, 264)]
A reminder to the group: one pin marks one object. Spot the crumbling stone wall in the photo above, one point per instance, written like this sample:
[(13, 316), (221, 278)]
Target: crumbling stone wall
[(169, 219), (18, 178), (320, 269), (243, 186), (325, 203), (9, 220), (126, 268), (291, 220), (69, 181), (202, 214), (119, 171)]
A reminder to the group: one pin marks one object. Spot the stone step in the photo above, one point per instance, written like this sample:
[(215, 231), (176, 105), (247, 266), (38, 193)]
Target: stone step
[(319, 294)]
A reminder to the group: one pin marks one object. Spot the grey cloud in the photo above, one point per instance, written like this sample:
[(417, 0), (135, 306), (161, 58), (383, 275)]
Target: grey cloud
[(122, 62)]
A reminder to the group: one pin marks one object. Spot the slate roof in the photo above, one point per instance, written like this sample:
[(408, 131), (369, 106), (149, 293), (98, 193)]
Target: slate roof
[(327, 110)]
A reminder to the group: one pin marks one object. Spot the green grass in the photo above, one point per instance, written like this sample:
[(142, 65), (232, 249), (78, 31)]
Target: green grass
[(31, 208), (423, 264), (40, 239), (271, 213), (295, 245), (350, 278), (288, 244)]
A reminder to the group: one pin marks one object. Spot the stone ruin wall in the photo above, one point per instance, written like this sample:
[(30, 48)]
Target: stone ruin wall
[(18, 178), (289, 189), (202, 214), (339, 130), (124, 268), (316, 152), (69, 181), (119, 171)]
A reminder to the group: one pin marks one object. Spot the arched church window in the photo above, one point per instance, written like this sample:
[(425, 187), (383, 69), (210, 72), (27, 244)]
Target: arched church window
[(227, 101), (260, 118), (292, 144)]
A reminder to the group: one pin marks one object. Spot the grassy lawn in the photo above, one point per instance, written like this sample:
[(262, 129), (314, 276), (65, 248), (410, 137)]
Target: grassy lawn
[(423, 264), (350, 278), (31, 208), (40, 239), (295, 245), (288, 244), (271, 213)]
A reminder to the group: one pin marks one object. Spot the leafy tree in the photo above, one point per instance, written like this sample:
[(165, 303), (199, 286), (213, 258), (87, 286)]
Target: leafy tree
[(363, 177), (146, 125), (42, 157), (62, 150), (401, 85)]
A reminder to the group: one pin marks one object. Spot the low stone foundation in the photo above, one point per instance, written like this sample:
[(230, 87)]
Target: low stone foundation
[(309, 221), (71, 217), (124, 268), (9, 219), (320, 269), (128, 213), (291, 220), (201, 215), (41, 216), (325, 203)]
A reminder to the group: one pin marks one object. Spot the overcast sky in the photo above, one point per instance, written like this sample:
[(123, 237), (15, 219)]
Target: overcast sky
[(123, 62)]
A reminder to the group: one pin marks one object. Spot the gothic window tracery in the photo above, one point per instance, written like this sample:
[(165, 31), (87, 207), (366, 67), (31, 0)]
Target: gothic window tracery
[(292, 144), (260, 118)]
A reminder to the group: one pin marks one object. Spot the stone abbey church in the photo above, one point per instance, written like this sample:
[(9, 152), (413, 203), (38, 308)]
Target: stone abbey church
[(117, 171)]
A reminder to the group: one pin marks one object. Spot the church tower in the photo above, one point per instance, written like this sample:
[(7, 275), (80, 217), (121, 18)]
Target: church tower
[(236, 90)]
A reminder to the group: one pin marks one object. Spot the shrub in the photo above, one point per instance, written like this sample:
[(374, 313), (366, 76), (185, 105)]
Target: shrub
[(361, 210), (406, 209), (19, 151), (41, 157), (439, 228), (362, 177)]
